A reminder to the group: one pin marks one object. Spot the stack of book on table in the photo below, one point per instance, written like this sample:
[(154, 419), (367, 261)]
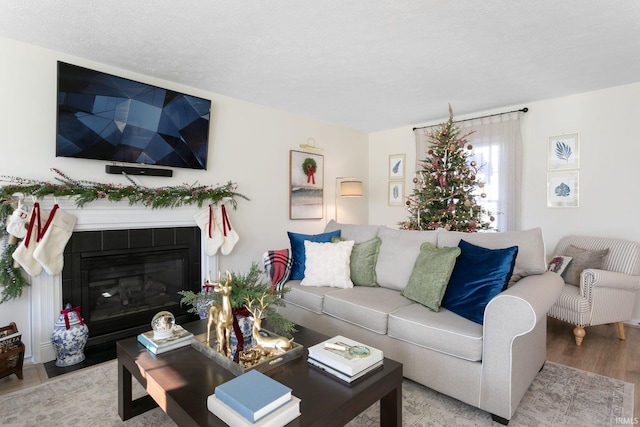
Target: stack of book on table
[(254, 399), (179, 338), (345, 358)]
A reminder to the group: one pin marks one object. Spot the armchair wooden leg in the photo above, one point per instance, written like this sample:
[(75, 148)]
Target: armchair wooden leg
[(578, 334), (620, 330)]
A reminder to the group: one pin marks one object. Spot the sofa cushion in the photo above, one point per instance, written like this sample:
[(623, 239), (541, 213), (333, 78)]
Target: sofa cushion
[(398, 253), (297, 249), (328, 264), (430, 275), (363, 306), (479, 275), (307, 297), (531, 257), (443, 331), (363, 261), (355, 232), (581, 259)]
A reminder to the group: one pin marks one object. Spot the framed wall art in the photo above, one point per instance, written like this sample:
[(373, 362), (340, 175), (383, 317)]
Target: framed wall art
[(563, 189), (306, 185), (564, 151), (396, 166), (396, 193)]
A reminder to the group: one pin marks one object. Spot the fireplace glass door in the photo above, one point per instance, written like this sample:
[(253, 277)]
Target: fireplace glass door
[(126, 289)]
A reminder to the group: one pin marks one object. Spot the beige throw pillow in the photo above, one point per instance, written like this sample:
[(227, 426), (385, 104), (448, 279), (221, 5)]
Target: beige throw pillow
[(581, 260)]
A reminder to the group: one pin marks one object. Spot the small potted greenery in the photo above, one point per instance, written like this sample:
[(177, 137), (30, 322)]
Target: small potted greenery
[(249, 285)]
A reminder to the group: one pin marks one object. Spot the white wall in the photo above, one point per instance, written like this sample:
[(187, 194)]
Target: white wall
[(249, 144), (609, 165)]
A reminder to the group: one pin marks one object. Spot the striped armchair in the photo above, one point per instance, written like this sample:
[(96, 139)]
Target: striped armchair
[(605, 295)]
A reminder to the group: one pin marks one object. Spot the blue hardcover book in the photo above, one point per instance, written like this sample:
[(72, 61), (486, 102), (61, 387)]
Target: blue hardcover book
[(253, 395)]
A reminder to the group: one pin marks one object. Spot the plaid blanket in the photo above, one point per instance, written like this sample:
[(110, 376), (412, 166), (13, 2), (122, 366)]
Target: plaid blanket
[(278, 265)]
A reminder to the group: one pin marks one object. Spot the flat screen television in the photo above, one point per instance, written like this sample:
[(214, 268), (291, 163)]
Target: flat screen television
[(104, 117)]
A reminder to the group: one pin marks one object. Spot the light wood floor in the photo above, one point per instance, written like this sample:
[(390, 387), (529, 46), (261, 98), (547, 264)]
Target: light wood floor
[(601, 352)]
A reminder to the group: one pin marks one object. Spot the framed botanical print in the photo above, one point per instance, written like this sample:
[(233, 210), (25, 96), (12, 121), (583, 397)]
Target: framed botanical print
[(564, 151), (306, 185), (562, 189), (396, 166), (396, 193)]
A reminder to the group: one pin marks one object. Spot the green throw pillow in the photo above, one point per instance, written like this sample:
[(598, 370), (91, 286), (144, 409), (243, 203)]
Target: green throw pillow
[(363, 261), (430, 275)]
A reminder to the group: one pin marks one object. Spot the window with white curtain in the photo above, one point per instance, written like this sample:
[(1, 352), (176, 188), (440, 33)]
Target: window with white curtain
[(497, 146)]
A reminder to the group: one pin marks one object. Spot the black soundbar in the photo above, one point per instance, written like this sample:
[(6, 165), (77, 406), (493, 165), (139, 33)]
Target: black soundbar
[(137, 170)]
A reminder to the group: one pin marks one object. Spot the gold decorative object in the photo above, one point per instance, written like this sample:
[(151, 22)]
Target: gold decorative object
[(221, 315), (253, 358), (274, 345)]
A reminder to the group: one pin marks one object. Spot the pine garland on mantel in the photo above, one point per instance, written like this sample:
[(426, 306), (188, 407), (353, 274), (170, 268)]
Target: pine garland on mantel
[(12, 281), (88, 191)]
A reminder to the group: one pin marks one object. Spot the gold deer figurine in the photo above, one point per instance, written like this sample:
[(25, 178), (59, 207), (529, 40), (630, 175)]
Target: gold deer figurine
[(276, 344), (221, 315)]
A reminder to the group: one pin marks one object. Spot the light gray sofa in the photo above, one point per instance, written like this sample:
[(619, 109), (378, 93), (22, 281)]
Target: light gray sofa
[(489, 366)]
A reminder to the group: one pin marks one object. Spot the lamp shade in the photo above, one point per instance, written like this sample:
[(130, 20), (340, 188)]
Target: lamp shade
[(351, 189)]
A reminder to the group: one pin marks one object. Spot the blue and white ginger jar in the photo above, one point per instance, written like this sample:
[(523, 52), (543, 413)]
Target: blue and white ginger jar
[(69, 337)]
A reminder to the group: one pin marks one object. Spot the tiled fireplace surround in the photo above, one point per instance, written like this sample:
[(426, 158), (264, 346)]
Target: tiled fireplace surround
[(46, 290)]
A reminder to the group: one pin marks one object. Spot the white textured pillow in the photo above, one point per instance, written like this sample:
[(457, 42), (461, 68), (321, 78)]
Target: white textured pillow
[(328, 264)]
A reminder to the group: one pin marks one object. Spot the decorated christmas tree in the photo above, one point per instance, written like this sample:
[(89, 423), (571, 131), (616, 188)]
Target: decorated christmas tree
[(446, 188)]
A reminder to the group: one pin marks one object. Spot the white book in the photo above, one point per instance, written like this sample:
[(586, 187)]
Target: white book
[(281, 416), (345, 355), (179, 338), (339, 374)]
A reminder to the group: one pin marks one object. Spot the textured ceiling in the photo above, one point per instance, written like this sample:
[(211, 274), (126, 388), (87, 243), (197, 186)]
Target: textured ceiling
[(367, 65)]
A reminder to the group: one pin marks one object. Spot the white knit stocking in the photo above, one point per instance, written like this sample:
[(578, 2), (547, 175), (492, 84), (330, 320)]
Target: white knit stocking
[(23, 255), (211, 234), (54, 237), (17, 223), (230, 235)]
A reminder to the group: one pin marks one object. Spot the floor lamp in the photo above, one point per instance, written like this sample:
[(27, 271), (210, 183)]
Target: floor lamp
[(346, 187)]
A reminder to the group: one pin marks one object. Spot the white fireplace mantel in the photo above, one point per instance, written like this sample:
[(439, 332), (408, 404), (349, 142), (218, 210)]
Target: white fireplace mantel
[(46, 290)]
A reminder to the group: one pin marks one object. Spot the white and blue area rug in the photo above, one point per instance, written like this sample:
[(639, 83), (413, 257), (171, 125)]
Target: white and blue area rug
[(559, 396)]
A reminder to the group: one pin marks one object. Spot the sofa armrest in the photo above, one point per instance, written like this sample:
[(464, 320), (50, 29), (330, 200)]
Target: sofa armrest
[(514, 341), (539, 292), (591, 278), (611, 295)]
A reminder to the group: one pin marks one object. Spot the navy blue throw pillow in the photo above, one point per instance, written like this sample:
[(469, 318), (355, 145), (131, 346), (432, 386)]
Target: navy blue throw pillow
[(479, 275), (297, 249)]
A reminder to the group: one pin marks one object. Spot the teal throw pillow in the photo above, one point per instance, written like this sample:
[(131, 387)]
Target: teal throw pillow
[(479, 275), (298, 253), (430, 275), (363, 261)]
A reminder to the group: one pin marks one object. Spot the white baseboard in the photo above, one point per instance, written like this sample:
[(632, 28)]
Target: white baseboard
[(47, 353), (633, 322)]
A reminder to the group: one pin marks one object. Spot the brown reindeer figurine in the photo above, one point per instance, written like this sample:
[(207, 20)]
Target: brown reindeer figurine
[(221, 315), (275, 344)]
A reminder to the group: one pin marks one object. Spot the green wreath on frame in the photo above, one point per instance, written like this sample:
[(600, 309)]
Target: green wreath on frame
[(309, 167), (12, 280)]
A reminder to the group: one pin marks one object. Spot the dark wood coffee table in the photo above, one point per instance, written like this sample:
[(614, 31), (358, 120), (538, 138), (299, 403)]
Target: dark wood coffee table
[(179, 381)]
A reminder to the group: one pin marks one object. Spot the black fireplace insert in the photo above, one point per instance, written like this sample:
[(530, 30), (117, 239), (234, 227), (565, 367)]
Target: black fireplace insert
[(122, 278)]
